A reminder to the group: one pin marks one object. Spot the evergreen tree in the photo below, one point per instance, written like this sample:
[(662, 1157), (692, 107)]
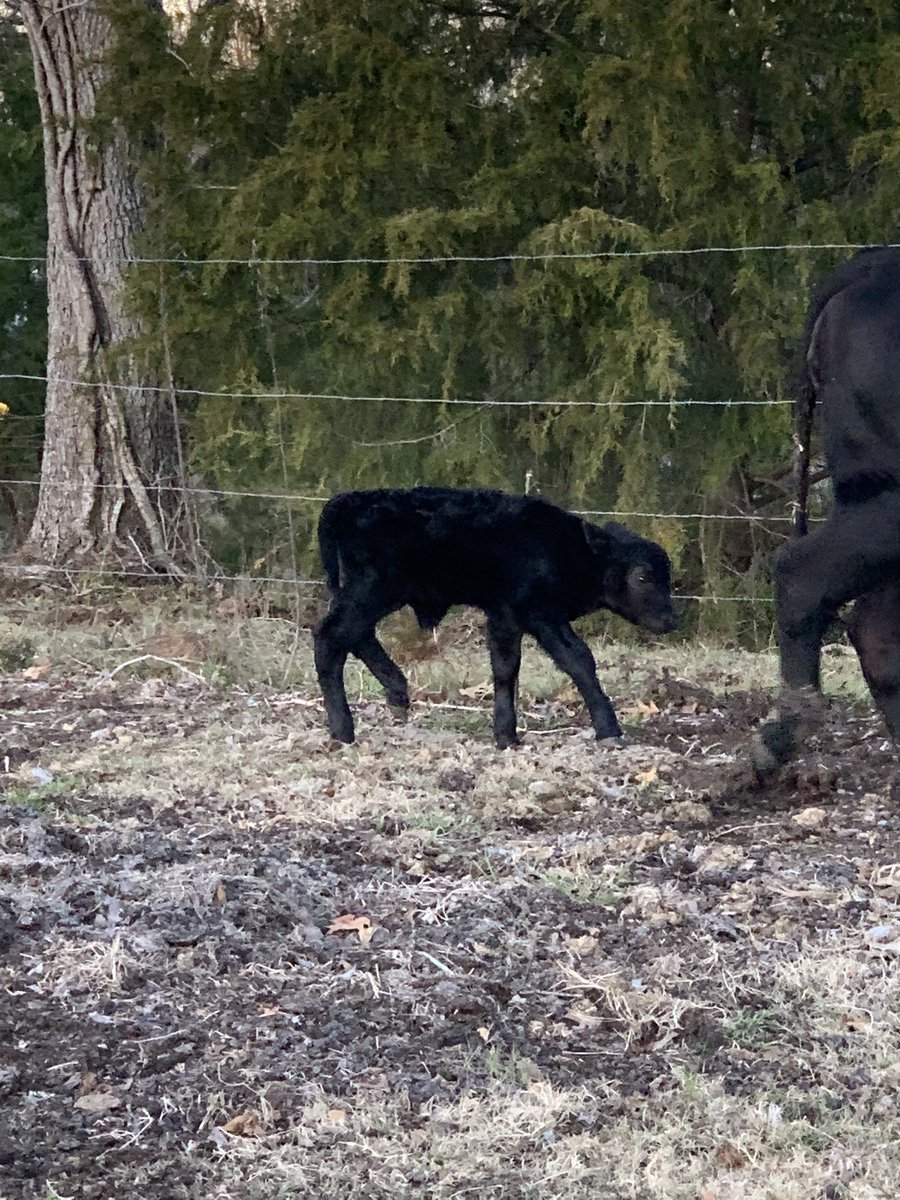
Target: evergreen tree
[(23, 295), (404, 130)]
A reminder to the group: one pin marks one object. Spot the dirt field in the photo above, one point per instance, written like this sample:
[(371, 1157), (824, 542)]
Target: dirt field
[(237, 961)]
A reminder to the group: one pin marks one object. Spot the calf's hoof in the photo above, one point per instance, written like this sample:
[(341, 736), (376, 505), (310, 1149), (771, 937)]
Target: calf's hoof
[(400, 713), (774, 744), (610, 733), (504, 741), (779, 739), (613, 742), (334, 743)]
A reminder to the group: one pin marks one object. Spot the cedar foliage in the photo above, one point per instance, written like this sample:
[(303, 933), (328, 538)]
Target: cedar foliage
[(386, 128), (23, 298)]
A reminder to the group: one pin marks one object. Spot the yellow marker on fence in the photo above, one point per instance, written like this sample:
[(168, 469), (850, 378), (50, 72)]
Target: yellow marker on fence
[(4, 409)]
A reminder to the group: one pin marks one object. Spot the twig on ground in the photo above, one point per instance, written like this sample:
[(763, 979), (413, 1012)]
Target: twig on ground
[(170, 662)]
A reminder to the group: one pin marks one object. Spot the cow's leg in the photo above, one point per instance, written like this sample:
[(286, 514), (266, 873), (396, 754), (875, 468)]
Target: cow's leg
[(371, 652), (349, 623), (849, 556), (573, 656), (874, 630), (504, 639)]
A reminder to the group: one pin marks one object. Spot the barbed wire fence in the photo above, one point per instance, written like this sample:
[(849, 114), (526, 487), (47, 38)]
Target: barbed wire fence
[(23, 432)]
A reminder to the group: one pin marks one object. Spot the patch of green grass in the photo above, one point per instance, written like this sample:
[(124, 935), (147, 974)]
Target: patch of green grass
[(754, 1029), (508, 1066), (15, 652), (433, 820), (691, 1082), (40, 797), (603, 891)]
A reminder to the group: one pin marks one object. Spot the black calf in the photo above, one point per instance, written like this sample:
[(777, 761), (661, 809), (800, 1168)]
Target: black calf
[(852, 370), (531, 567)]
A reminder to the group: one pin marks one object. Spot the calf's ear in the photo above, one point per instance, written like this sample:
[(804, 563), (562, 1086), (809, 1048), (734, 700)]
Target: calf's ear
[(597, 538), (621, 533)]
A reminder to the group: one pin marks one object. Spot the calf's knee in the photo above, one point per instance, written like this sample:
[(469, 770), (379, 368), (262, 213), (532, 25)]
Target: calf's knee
[(874, 631), (798, 598)]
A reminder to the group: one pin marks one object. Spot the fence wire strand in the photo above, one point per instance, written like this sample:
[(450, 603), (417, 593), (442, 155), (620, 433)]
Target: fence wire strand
[(165, 391), (38, 572), (170, 392), (302, 498), (441, 259)]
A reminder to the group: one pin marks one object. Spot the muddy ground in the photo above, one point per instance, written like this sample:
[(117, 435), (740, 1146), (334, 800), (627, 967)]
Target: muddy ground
[(237, 961)]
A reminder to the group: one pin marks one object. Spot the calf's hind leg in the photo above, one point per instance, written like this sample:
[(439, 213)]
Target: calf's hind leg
[(874, 630), (331, 645), (350, 628)]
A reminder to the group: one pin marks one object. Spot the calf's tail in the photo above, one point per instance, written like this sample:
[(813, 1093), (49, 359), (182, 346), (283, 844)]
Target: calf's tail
[(329, 547), (803, 423)]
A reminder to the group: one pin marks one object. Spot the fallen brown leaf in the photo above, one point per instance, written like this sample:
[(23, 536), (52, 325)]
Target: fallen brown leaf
[(729, 1156), (351, 923), (246, 1124), (38, 671), (477, 692), (188, 647), (645, 778), (582, 946), (97, 1102)]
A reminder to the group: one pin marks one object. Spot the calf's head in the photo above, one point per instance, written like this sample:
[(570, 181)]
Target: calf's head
[(637, 578)]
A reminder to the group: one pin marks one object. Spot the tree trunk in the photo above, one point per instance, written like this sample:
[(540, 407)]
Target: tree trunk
[(111, 459)]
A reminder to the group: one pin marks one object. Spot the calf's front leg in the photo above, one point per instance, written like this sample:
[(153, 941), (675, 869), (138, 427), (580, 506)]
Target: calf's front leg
[(573, 656), (847, 558), (504, 639), (371, 652)]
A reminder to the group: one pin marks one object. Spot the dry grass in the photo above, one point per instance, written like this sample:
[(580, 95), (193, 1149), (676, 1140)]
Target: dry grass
[(101, 631), (589, 976), (687, 1139)]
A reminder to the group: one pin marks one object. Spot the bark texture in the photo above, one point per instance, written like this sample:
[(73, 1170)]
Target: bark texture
[(110, 454)]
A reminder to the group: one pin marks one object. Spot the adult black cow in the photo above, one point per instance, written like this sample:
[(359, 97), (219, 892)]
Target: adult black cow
[(852, 371), (530, 566)]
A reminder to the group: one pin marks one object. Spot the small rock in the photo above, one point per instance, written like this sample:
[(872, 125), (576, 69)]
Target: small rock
[(692, 812), (544, 789), (711, 862), (810, 818), (884, 938), (456, 780)]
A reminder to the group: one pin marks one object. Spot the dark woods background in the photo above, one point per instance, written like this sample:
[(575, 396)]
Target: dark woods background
[(384, 129)]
